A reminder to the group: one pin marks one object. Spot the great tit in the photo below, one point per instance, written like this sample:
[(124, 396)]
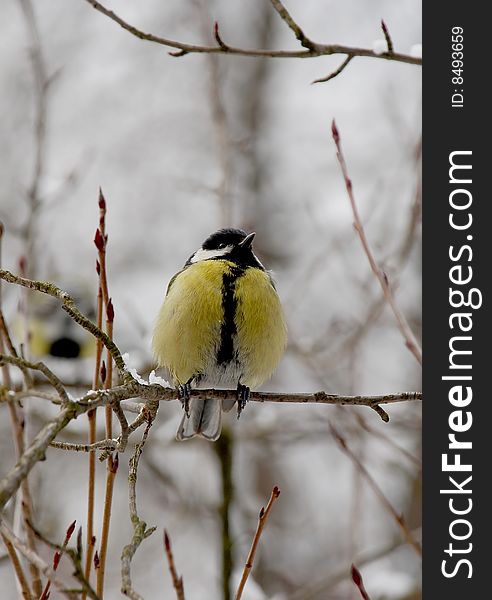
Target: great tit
[(221, 324)]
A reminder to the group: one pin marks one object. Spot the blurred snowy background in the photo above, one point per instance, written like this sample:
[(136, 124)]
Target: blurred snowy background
[(180, 147)]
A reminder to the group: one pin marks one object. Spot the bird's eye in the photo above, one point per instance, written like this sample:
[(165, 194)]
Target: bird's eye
[(221, 246)]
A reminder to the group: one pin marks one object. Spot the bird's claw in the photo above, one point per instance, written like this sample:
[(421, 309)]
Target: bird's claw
[(184, 392), (242, 397)]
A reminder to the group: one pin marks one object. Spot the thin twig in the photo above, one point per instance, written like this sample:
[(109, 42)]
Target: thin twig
[(160, 393), (399, 519), (75, 555), (106, 444), (262, 518), (33, 393), (42, 368), (125, 429), (157, 392), (219, 119), (357, 579), (224, 450), (36, 451), (387, 36), (218, 39), (92, 418), (4, 330), (315, 50), (177, 581), (321, 587), (140, 531), (19, 571), (112, 469), (154, 393), (336, 72), (101, 240), (33, 558), (17, 420), (68, 304), (298, 32), (390, 441), (41, 86), (56, 560), (408, 336)]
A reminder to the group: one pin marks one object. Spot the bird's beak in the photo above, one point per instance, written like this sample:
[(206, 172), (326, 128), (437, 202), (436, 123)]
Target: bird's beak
[(248, 240)]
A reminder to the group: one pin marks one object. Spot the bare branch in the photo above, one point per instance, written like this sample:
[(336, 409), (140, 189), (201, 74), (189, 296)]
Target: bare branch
[(112, 469), (68, 304), (320, 587), (262, 518), (400, 521), (298, 32), (41, 367), (387, 36), (218, 39), (410, 340), (333, 74), (315, 50), (75, 555), (154, 393), (41, 85), (219, 119), (32, 393), (140, 531), (107, 444), (56, 559), (19, 571), (177, 581), (36, 451), (4, 330), (33, 558), (224, 450)]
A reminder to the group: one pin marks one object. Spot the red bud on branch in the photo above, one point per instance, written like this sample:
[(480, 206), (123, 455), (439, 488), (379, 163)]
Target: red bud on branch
[(110, 311), (102, 371), (102, 200), (99, 240), (334, 132)]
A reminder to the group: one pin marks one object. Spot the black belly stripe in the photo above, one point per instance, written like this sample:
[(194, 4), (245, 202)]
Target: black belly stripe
[(225, 353)]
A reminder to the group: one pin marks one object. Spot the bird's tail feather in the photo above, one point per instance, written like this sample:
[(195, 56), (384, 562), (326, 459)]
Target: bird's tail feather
[(204, 420)]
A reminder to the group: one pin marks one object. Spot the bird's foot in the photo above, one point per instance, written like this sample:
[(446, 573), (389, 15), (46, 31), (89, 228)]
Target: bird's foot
[(184, 392), (242, 398)]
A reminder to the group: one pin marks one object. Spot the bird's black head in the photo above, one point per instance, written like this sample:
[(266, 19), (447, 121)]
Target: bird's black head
[(224, 237), (228, 244)]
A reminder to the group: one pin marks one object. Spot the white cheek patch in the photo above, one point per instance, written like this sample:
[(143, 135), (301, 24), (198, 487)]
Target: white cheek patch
[(208, 254)]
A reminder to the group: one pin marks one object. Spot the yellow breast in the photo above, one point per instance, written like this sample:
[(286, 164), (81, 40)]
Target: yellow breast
[(188, 330), (261, 329)]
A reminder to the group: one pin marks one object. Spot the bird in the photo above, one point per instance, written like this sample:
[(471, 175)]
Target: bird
[(221, 324)]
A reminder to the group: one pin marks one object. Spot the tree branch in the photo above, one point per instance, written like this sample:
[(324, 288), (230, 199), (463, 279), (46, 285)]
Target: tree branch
[(298, 32), (312, 50), (357, 579), (262, 518), (41, 367), (407, 333), (336, 72), (33, 558), (177, 581), (18, 570), (140, 531), (398, 518), (36, 451), (68, 304), (155, 392)]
